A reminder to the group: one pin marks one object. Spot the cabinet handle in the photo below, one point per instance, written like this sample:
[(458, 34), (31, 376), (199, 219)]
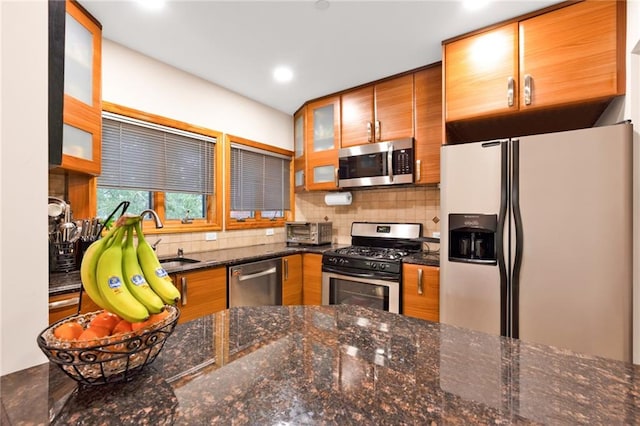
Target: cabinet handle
[(369, 131), (510, 91), (286, 269), (390, 162), (336, 176), (418, 170), (183, 284), (64, 303), (377, 130), (419, 281), (528, 89)]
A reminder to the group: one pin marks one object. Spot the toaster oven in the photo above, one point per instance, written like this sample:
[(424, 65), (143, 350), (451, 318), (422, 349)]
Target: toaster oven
[(309, 233)]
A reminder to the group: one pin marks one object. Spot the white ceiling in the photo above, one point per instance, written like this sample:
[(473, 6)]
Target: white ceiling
[(237, 44)]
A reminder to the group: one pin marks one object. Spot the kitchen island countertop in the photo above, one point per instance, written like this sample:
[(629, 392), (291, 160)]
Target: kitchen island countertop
[(336, 365)]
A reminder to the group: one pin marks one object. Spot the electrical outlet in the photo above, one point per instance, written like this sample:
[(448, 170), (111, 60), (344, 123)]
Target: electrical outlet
[(270, 231), (210, 236)]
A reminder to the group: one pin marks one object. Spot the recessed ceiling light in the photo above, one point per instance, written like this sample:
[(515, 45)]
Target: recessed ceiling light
[(152, 4), (322, 4), (282, 74), (474, 4)]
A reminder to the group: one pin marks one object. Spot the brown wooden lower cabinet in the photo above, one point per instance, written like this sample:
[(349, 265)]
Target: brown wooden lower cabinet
[(421, 291), (202, 292), (292, 280), (312, 279), (64, 305)]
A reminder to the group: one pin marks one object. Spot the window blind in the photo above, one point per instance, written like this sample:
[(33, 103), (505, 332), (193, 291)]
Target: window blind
[(145, 156), (259, 179)]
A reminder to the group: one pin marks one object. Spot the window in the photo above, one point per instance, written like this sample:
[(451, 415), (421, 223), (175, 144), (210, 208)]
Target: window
[(163, 164), (259, 184)]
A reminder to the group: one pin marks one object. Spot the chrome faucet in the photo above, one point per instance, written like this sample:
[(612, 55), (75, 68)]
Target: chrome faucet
[(155, 217), (186, 218), (180, 252)]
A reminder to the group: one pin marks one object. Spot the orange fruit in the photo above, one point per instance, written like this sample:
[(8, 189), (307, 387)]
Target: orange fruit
[(89, 334), (106, 320), (123, 326), (154, 318), (68, 331), (135, 326)]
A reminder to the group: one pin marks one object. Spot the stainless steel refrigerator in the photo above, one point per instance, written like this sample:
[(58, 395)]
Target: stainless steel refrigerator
[(536, 238)]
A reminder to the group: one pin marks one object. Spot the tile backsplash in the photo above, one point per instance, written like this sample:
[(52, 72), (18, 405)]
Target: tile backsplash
[(407, 204)]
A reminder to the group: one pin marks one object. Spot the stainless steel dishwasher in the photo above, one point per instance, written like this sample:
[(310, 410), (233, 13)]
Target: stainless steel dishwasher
[(256, 284)]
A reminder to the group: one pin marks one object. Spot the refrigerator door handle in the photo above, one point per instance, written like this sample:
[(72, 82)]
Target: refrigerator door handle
[(502, 218), (519, 235)]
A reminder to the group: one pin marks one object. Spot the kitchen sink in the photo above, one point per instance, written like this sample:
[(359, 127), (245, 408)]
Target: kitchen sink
[(176, 262)]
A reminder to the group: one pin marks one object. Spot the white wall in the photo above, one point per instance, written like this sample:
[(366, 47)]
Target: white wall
[(137, 81), (24, 275)]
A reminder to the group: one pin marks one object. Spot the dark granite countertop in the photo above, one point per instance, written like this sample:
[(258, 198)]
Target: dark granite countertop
[(60, 283), (339, 364)]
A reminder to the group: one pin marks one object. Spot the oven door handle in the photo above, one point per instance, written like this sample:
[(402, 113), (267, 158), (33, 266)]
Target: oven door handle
[(350, 274)]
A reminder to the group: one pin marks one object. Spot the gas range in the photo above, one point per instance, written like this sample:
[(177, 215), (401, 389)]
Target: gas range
[(376, 247), (369, 272)]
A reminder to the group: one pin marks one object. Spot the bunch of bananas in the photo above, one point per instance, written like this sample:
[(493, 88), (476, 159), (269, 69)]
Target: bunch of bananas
[(124, 279)]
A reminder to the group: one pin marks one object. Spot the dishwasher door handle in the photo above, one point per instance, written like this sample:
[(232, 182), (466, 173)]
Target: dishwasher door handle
[(269, 271)]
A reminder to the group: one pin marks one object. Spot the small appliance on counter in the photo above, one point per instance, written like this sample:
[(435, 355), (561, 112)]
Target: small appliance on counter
[(309, 233)]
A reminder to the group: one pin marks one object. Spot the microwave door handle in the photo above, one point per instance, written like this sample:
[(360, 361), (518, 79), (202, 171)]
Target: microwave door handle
[(390, 162)]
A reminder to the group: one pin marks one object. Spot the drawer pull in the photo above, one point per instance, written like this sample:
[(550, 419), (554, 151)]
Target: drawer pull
[(528, 89), (419, 281), (64, 303), (183, 284), (510, 91)]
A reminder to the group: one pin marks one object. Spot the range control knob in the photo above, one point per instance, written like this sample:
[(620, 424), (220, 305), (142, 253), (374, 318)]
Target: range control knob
[(383, 266)]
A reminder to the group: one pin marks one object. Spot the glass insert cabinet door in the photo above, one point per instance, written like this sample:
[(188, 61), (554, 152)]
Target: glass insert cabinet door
[(322, 143), (82, 128), (78, 61)]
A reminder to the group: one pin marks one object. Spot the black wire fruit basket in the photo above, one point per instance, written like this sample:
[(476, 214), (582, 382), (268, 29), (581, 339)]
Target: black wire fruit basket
[(109, 359)]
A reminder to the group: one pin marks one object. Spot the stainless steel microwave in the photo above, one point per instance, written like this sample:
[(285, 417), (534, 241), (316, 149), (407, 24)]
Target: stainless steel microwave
[(309, 233), (373, 164)]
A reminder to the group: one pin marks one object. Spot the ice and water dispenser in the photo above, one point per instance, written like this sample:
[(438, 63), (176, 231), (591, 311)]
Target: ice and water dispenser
[(472, 238)]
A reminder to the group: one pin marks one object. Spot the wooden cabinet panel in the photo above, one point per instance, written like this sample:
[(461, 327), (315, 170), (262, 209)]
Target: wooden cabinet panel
[(292, 280), (299, 151), (394, 108), (357, 117), (312, 279), (62, 306), (378, 112), (572, 54), (567, 56), (202, 292), (428, 113), (421, 291), (477, 70)]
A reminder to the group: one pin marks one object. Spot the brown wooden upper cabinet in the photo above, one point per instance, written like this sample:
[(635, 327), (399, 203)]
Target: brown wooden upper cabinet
[(566, 56), (322, 143), (378, 112), (299, 152), (428, 119), (82, 115)]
